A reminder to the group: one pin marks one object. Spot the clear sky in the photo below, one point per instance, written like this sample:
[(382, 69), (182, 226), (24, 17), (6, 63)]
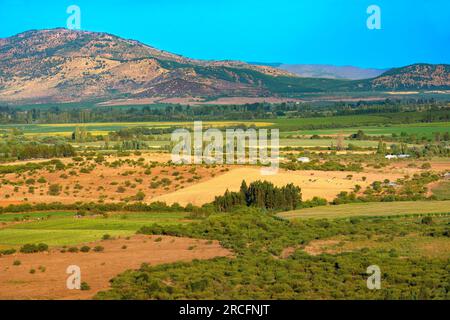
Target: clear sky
[(288, 31)]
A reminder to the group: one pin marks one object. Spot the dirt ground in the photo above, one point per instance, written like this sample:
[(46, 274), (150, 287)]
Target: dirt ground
[(441, 165), (104, 182), (97, 268), (318, 247)]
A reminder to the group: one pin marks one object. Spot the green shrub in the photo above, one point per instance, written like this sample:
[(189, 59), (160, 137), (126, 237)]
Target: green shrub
[(426, 165), (85, 249), (42, 247), (33, 248), (54, 189), (427, 220), (7, 252), (42, 180), (139, 196), (98, 249), (84, 286)]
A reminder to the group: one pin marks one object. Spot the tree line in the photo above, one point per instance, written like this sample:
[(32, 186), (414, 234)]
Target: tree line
[(411, 110)]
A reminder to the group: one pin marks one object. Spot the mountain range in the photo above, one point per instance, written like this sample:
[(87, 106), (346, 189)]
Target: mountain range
[(60, 65)]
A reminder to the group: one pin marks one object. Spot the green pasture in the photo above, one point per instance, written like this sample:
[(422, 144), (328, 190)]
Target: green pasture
[(369, 209), (294, 124), (8, 217), (442, 190), (324, 143), (419, 129), (18, 237), (65, 229)]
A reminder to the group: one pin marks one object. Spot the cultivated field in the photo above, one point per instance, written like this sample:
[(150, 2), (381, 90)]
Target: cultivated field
[(65, 228), (369, 209), (103, 128), (426, 130)]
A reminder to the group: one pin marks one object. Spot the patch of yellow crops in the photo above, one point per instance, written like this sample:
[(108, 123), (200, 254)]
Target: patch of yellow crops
[(46, 134), (159, 124)]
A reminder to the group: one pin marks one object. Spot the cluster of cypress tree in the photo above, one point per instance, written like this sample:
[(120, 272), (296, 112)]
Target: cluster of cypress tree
[(261, 194)]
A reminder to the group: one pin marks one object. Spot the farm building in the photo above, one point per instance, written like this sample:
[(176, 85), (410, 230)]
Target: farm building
[(391, 184), (304, 159)]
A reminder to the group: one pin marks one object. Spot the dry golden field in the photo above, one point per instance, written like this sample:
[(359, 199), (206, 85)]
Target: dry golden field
[(325, 184)]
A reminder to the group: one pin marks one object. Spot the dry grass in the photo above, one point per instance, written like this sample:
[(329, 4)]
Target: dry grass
[(325, 184)]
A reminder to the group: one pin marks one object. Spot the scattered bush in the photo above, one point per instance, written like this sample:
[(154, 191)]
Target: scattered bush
[(33, 248), (54, 190), (84, 286), (98, 249), (106, 237), (7, 252), (427, 220), (426, 165), (85, 249), (42, 180)]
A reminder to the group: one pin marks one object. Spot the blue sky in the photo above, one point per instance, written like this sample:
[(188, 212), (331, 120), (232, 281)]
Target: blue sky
[(288, 31)]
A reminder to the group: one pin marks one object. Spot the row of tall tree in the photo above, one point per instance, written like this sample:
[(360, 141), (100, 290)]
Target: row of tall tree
[(261, 194), (28, 151)]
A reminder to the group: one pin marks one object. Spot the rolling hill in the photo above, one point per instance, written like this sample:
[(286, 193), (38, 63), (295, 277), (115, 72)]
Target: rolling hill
[(60, 65), (419, 76)]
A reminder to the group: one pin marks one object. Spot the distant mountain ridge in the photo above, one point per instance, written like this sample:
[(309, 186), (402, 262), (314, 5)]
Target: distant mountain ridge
[(61, 65), (420, 76), (330, 71)]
